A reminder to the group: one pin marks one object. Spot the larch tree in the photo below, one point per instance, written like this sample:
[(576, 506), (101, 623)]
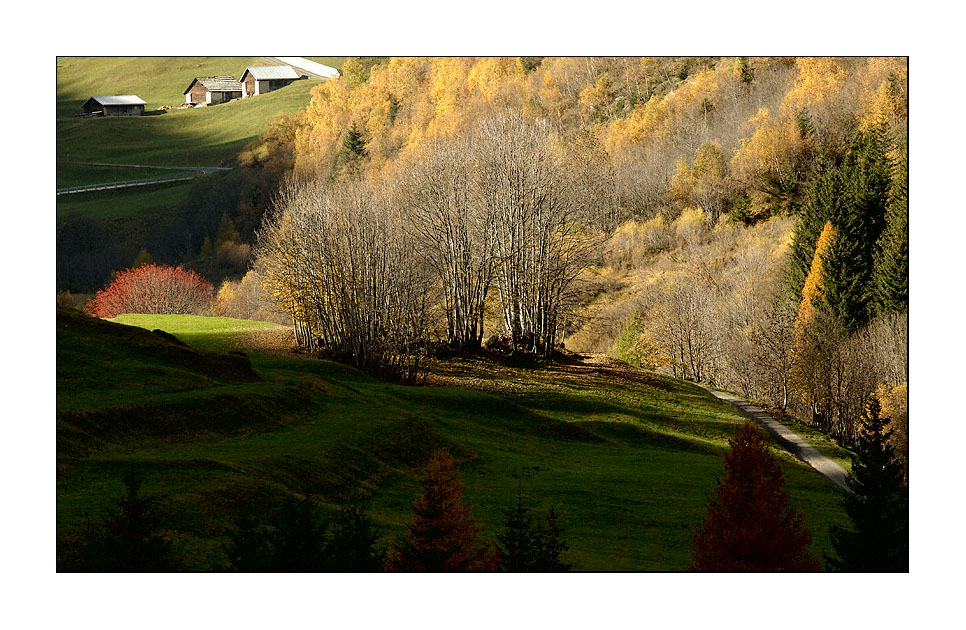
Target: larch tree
[(814, 288), (750, 525), (443, 535)]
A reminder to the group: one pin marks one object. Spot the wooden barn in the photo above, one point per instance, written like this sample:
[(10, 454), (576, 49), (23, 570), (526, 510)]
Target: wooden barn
[(212, 90), (125, 105), (261, 79)]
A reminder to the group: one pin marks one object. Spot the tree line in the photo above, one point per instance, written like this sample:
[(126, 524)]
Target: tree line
[(441, 535)]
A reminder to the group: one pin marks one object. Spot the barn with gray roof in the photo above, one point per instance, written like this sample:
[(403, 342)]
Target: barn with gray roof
[(212, 90), (124, 105), (261, 79)]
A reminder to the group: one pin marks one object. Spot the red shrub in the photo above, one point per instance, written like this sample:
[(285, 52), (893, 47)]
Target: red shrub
[(153, 289)]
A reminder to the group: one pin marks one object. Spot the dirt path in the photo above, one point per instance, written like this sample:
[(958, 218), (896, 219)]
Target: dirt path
[(795, 444), (194, 172)]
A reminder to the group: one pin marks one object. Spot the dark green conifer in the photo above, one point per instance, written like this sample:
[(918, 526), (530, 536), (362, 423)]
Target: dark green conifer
[(353, 150), (858, 220), (299, 538), (526, 546), (878, 540), (352, 547), (824, 195), (891, 281), (131, 541)]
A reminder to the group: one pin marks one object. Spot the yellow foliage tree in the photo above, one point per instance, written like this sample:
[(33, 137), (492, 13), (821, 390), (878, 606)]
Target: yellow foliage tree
[(814, 285), (705, 184), (818, 82), (768, 160)]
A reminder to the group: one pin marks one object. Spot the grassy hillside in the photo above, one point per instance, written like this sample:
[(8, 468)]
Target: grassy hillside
[(209, 136), (628, 458), (157, 80), (142, 216), (203, 136)]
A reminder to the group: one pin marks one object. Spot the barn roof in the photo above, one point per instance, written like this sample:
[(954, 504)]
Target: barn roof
[(126, 99), (217, 84), (271, 72)]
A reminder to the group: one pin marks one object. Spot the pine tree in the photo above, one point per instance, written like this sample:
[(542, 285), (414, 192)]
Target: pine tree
[(891, 276), (750, 525), (443, 535), (878, 505)]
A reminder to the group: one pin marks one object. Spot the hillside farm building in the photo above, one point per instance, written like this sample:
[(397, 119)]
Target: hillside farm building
[(126, 105), (212, 90), (261, 79)]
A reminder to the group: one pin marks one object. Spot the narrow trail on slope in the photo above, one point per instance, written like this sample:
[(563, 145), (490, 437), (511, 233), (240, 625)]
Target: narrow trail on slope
[(795, 443)]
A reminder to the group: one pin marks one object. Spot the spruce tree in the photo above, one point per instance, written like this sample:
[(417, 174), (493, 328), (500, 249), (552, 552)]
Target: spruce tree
[(891, 277), (353, 150), (516, 541), (526, 546), (249, 548), (226, 231), (130, 541), (352, 547), (299, 538), (750, 525), (443, 535), (858, 219), (878, 506)]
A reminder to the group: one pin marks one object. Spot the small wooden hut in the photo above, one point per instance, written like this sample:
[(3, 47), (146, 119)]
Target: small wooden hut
[(261, 79), (212, 90), (125, 105)]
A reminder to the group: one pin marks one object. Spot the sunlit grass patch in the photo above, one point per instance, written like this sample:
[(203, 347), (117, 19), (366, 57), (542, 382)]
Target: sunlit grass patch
[(215, 334)]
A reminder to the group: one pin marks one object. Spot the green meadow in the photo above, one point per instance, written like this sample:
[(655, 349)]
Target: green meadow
[(628, 458)]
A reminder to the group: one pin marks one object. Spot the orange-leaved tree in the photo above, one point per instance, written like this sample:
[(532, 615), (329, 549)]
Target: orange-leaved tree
[(750, 525), (154, 289), (443, 535), (814, 288)]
